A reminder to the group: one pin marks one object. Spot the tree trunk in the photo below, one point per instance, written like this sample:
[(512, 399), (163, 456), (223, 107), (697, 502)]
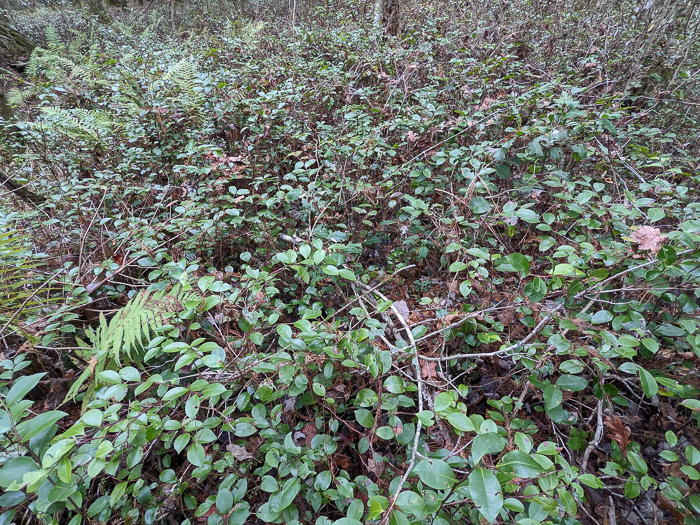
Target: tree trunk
[(12, 42), (5, 109), (12, 45), (391, 16), (386, 13), (98, 7)]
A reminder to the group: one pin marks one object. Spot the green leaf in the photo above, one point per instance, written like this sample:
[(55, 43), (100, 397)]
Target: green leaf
[(426, 417), (692, 455), (224, 501), (21, 388), (521, 464), (479, 205), (563, 269), (535, 148), (14, 470), (364, 417), (33, 427), (92, 418), (591, 481), (649, 384), (196, 454), (411, 502), (671, 438), (486, 493), (553, 396), (637, 462), (288, 493), (651, 344), (285, 331), (460, 421), (129, 373), (489, 443), (377, 504), (692, 404), (443, 401), (572, 383), (117, 493), (656, 214), (331, 270), (520, 263), (385, 432), (691, 472), (601, 316), (65, 469), (436, 474), (458, 266), (109, 377), (173, 393), (669, 455), (56, 452), (347, 274), (394, 385)]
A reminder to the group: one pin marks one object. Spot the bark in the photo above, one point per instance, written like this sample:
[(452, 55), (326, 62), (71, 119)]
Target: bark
[(12, 42), (99, 7), (5, 109), (386, 13)]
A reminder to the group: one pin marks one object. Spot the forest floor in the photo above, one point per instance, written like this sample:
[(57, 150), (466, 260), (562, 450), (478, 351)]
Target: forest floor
[(300, 271)]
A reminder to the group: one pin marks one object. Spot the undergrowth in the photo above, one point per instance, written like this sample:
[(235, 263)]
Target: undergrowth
[(308, 273)]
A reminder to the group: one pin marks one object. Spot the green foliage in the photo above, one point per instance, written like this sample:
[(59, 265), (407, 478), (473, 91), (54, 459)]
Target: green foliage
[(273, 231)]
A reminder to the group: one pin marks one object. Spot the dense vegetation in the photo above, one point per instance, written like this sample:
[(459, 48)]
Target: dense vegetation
[(270, 263)]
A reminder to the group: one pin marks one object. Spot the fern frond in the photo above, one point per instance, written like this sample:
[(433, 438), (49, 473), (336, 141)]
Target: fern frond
[(49, 64), (52, 38), (133, 325), (179, 83), (17, 277), (78, 122), (17, 97)]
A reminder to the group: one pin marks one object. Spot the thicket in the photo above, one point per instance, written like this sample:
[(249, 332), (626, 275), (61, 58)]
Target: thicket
[(281, 267)]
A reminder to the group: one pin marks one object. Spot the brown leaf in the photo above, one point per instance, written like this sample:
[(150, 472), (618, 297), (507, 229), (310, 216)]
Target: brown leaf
[(428, 369), (239, 452), (649, 238), (618, 432), (309, 431), (375, 467)]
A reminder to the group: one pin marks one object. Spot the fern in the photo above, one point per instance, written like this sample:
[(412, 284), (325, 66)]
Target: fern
[(142, 315), (179, 83), (54, 64), (18, 279), (17, 97), (79, 123)]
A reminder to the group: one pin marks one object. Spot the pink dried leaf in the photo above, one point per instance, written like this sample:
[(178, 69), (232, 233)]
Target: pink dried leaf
[(649, 238)]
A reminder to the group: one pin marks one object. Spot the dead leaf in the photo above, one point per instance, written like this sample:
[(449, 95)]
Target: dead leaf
[(309, 431), (92, 363), (375, 467), (649, 238), (239, 452), (507, 316), (618, 432), (428, 369)]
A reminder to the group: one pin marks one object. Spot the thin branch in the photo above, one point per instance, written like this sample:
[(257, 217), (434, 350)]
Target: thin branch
[(419, 424), (596, 438)]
